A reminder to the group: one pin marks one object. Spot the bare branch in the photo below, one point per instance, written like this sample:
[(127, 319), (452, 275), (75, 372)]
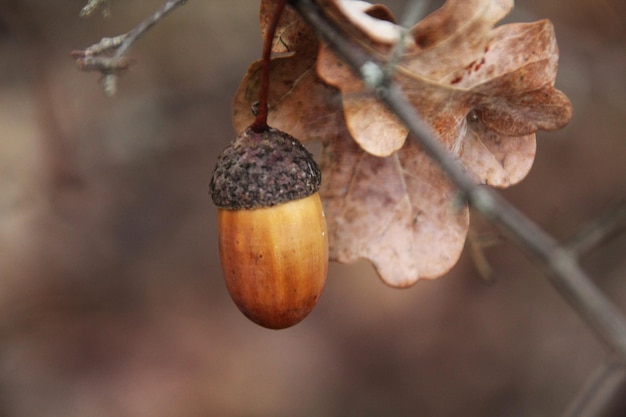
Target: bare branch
[(138, 31), (599, 391), (561, 265), (599, 230), (93, 58), (105, 44), (476, 244), (415, 10)]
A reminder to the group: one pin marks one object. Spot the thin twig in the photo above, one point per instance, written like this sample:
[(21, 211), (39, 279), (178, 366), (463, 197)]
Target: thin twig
[(104, 45), (598, 231), (599, 391), (138, 31), (476, 244), (562, 267), (414, 12), (92, 58)]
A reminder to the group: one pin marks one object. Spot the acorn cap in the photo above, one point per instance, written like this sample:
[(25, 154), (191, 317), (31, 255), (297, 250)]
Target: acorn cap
[(263, 169)]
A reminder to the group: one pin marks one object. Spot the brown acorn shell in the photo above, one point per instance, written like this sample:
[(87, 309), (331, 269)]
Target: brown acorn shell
[(275, 259)]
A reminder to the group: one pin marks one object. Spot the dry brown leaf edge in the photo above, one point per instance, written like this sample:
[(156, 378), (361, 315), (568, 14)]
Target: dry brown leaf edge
[(484, 90)]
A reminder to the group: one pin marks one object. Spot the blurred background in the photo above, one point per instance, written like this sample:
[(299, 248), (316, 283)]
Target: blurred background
[(112, 301)]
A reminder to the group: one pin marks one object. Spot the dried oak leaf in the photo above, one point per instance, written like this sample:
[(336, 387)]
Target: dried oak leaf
[(300, 103), (483, 90), (384, 198)]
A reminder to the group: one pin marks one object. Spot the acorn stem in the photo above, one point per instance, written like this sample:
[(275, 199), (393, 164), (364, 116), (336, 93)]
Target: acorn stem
[(260, 122)]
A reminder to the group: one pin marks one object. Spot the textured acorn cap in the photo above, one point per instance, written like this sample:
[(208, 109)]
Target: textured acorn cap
[(263, 169)]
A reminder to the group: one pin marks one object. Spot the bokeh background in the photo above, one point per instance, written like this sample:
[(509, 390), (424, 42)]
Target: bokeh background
[(111, 295)]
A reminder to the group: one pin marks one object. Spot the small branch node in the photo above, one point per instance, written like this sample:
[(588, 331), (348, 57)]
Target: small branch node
[(92, 5), (372, 75), (482, 201)]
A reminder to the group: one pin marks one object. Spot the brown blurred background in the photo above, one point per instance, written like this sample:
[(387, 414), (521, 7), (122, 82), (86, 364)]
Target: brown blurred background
[(111, 296)]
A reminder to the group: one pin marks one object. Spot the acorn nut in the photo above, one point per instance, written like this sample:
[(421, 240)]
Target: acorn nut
[(273, 241)]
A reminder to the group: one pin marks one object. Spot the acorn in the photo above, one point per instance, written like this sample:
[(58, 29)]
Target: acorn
[(273, 241)]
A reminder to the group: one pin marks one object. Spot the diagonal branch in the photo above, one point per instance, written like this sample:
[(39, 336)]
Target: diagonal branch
[(560, 264), (602, 389), (94, 58), (599, 230)]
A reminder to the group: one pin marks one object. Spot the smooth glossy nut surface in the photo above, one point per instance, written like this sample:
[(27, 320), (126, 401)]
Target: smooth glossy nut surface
[(275, 259)]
